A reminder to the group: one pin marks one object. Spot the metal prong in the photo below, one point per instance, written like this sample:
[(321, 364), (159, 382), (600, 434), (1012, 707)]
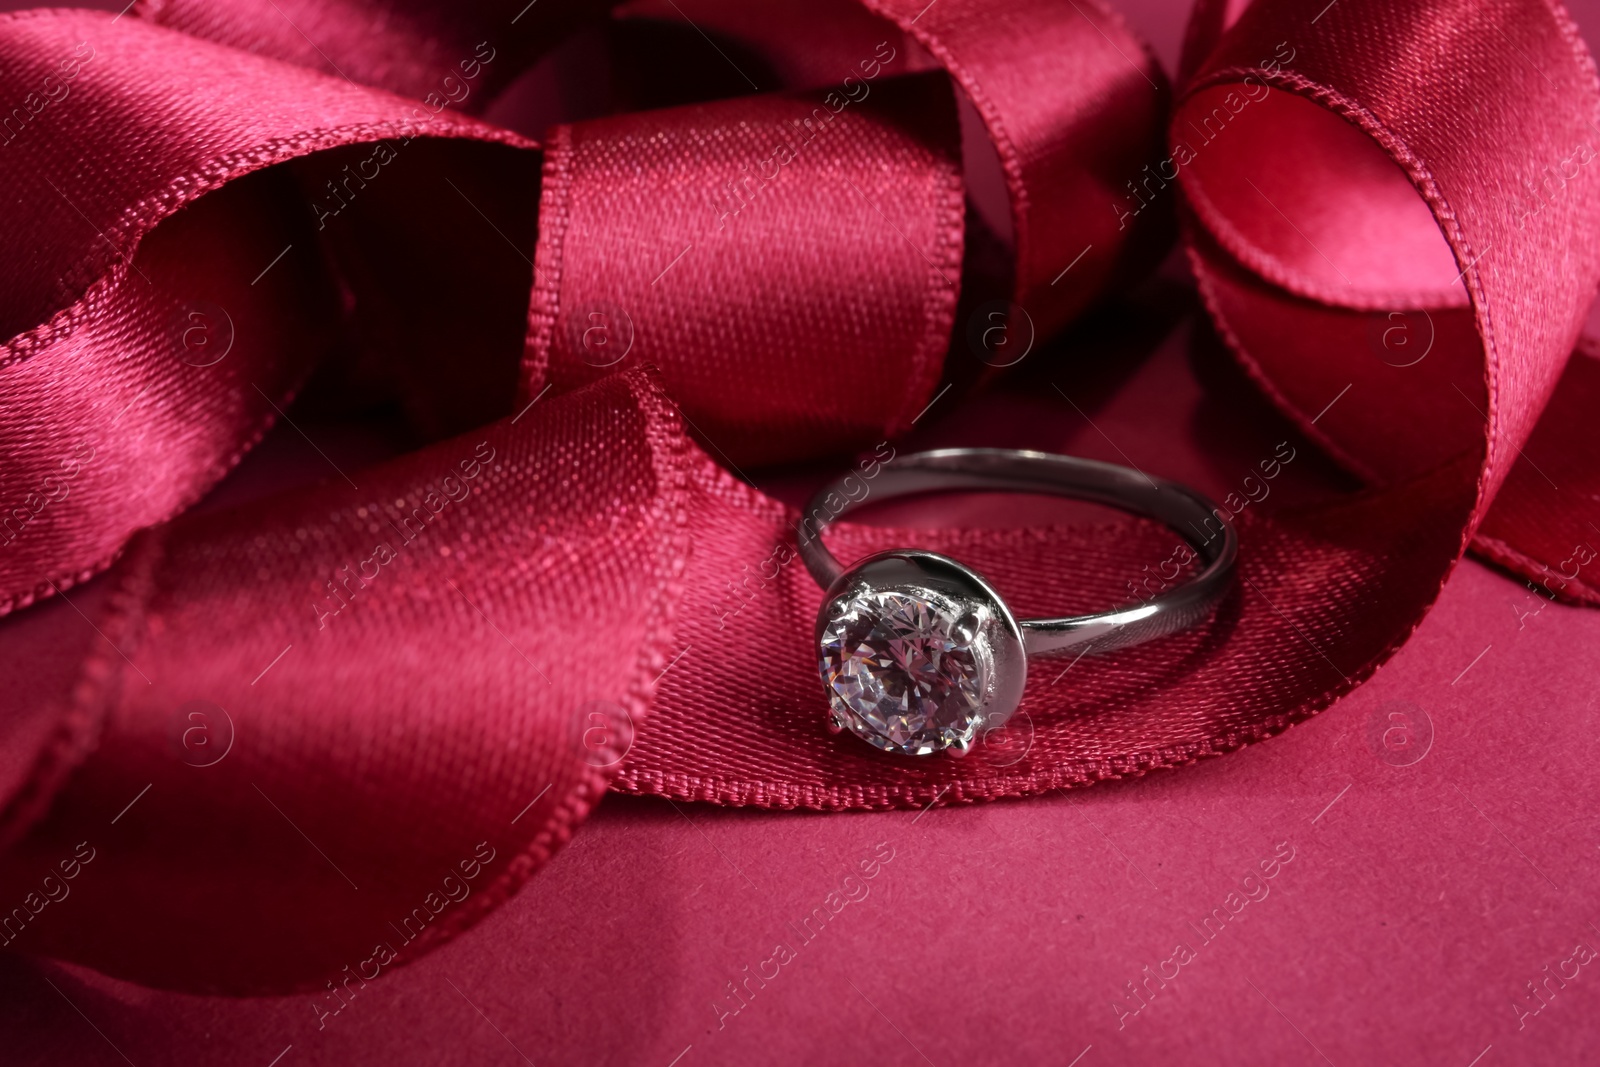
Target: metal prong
[(959, 747), (834, 724)]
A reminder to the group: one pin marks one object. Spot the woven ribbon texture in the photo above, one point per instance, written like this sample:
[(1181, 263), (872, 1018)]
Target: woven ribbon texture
[(429, 668)]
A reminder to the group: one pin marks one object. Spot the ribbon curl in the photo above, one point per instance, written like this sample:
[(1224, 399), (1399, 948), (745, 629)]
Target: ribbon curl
[(436, 665)]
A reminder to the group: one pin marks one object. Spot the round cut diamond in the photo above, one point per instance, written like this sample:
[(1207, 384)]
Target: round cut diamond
[(905, 670)]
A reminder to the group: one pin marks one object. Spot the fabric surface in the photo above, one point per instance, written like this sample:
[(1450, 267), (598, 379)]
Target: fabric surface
[(1404, 930), (386, 703)]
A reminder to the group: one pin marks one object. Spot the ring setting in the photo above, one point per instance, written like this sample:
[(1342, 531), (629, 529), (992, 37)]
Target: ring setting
[(919, 654)]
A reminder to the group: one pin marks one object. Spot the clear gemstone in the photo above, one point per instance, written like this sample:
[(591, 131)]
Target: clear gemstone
[(904, 670)]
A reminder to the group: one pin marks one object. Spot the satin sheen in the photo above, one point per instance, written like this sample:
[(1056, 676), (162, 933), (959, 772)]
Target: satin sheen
[(440, 694)]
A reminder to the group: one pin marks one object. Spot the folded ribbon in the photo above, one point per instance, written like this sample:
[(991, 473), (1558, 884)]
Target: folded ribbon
[(421, 675)]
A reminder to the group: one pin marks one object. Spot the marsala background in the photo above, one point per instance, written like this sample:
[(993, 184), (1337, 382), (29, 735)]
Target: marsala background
[(1415, 908)]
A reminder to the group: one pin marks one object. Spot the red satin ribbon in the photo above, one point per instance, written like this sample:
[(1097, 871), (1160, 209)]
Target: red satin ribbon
[(461, 633)]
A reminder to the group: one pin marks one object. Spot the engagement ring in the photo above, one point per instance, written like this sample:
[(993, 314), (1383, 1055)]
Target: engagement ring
[(918, 653)]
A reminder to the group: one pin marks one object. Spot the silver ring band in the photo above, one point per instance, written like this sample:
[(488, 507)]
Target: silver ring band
[(919, 652)]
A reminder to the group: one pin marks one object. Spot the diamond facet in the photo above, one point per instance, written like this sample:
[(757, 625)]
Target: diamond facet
[(907, 670)]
